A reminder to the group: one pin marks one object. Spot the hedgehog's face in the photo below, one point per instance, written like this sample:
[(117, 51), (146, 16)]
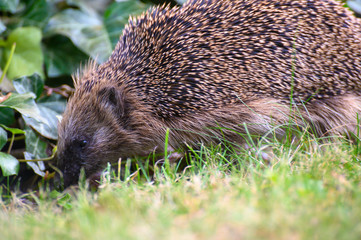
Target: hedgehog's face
[(96, 128)]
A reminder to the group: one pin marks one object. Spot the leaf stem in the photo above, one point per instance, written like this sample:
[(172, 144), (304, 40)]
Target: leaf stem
[(8, 62), (40, 159), (11, 142)]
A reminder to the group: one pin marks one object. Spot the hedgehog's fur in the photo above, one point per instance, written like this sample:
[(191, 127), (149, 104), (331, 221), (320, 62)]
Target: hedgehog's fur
[(211, 64)]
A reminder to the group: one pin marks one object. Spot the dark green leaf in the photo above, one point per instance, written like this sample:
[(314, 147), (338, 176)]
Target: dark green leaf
[(61, 56), (91, 7), (86, 31), (3, 137), (355, 5), (48, 129), (181, 1), (117, 15), (26, 84), (13, 130), (25, 104), (38, 167), (37, 13), (2, 27), (34, 145), (28, 56), (54, 102), (9, 5), (35, 149), (7, 116), (8, 164)]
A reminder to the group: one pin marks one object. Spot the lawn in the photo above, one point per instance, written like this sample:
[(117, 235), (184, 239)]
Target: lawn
[(308, 189)]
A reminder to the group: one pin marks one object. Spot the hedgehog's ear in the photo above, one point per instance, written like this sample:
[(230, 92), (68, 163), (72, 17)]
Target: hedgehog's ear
[(115, 99)]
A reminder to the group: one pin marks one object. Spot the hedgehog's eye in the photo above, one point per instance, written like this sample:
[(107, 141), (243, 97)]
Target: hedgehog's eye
[(83, 143), (80, 144)]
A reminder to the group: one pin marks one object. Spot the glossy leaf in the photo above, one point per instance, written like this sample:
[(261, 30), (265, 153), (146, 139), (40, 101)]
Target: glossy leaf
[(13, 130), (25, 104), (35, 149), (28, 56), (117, 15), (47, 129), (8, 164), (38, 167), (3, 138), (54, 102), (2, 27), (9, 5), (86, 31), (26, 84), (34, 144), (62, 57), (36, 13), (7, 116), (355, 5)]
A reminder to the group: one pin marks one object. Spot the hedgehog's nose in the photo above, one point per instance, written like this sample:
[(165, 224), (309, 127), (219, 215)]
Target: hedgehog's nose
[(71, 175)]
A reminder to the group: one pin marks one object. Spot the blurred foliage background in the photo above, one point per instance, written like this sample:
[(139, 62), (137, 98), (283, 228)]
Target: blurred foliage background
[(43, 42)]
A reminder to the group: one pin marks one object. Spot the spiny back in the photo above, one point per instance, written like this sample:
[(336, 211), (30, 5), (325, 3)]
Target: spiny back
[(211, 53)]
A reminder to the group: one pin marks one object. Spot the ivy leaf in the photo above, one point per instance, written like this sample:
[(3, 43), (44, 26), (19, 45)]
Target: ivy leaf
[(25, 104), (48, 129), (9, 5), (7, 116), (38, 167), (61, 56), (85, 30), (181, 2), (2, 27), (8, 164), (355, 5), (13, 130), (3, 137), (28, 56), (35, 149), (26, 84), (54, 102), (117, 15), (34, 145), (36, 13)]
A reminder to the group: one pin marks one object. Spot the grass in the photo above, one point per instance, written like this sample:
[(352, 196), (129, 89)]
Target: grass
[(308, 190)]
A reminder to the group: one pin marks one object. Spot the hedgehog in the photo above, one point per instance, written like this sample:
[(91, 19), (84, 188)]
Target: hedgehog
[(211, 71)]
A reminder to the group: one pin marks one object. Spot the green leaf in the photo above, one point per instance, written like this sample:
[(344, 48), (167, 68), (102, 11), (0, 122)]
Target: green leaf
[(355, 5), (35, 149), (86, 31), (181, 2), (2, 27), (34, 145), (26, 84), (13, 130), (47, 129), (65, 201), (9, 5), (28, 56), (117, 15), (7, 116), (38, 167), (8, 164), (91, 7), (54, 102), (61, 56), (36, 13), (3, 137), (25, 104)]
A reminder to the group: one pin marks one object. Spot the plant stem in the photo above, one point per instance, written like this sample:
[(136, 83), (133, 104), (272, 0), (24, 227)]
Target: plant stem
[(8, 62)]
